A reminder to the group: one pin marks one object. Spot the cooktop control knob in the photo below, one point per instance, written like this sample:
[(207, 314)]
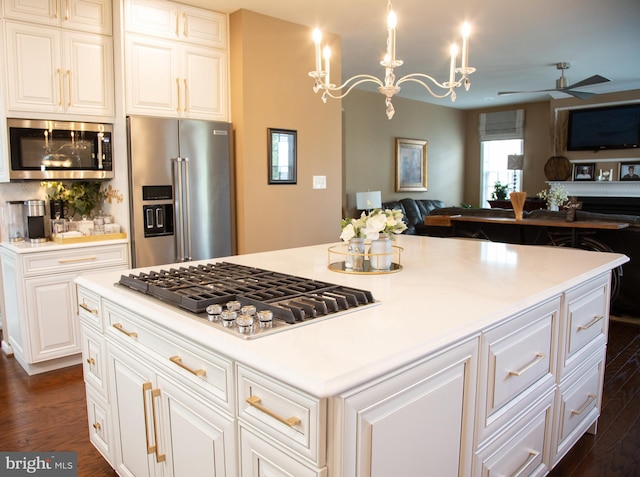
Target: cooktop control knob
[(233, 306), (213, 311), (228, 318), (248, 310), (265, 317), (244, 322)]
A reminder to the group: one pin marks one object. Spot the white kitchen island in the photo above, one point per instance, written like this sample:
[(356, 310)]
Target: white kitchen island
[(481, 358)]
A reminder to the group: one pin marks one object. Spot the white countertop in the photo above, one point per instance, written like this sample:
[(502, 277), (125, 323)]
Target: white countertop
[(28, 247), (448, 289)]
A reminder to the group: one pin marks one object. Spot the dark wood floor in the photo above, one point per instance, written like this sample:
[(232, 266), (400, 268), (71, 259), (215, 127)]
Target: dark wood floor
[(47, 412)]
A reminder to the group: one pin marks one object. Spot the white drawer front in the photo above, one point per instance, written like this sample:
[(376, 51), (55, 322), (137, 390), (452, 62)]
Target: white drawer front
[(524, 453), (581, 400), (587, 310), (292, 418), (211, 374), (94, 359), (89, 308), (519, 360), (76, 259), (99, 424)]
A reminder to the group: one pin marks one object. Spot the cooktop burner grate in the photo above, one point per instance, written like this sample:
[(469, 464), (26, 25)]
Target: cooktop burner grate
[(291, 299)]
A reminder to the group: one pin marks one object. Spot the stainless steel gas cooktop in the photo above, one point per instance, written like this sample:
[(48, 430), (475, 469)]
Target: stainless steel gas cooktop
[(246, 301)]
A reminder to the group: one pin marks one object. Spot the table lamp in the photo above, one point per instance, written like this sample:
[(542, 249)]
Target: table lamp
[(368, 200), (515, 162)]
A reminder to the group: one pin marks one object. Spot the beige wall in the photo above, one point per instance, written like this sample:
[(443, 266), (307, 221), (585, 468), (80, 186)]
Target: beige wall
[(270, 88), (369, 146)]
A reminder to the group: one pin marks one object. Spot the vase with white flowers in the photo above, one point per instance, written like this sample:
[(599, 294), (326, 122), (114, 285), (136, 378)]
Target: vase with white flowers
[(555, 197), (379, 226)]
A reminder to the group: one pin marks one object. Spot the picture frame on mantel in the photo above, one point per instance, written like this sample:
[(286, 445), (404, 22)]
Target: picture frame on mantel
[(282, 153), (630, 171), (584, 172), (411, 165)]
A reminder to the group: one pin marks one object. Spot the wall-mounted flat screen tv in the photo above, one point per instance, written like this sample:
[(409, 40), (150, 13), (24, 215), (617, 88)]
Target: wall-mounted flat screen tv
[(611, 127)]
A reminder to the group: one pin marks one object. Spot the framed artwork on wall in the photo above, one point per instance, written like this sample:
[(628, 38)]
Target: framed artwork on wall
[(584, 172), (411, 165), (630, 171), (282, 154)]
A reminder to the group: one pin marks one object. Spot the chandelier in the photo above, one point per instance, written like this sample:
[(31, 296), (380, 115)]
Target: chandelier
[(390, 87)]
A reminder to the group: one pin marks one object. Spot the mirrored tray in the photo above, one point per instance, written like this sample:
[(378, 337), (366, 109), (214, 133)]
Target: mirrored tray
[(339, 256)]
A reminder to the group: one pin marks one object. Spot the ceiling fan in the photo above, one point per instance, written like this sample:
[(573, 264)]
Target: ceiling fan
[(563, 87)]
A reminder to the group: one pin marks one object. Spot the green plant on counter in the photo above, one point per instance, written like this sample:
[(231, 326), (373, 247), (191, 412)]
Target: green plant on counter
[(500, 191), (82, 196)]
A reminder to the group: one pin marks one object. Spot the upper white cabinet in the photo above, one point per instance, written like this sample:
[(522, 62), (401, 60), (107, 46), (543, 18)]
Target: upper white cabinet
[(85, 15), (174, 21), (58, 71), (176, 61)]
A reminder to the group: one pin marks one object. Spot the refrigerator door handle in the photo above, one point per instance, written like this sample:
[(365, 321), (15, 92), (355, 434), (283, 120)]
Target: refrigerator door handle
[(186, 208), (179, 207)]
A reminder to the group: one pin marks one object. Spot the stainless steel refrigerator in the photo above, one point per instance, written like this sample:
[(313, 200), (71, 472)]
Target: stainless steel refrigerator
[(180, 177)]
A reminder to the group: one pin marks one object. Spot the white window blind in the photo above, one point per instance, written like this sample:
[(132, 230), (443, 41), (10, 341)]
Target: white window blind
[(502, 125)]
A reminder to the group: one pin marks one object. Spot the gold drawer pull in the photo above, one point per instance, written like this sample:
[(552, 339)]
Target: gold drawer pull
[(178, 361), (130, 334), (523, 467), (256, 402), (91, 361), (590, 398), (154, 394), (596, 318), (539, 357), (147, 387), (84, 306), (79, 259), (97, 426)]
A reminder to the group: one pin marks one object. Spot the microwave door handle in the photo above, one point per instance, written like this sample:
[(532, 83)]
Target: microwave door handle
[(99, 152), (187, 210), (178, 205)]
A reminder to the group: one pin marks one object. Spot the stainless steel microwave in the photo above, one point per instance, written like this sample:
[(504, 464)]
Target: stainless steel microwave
[(46, 150)]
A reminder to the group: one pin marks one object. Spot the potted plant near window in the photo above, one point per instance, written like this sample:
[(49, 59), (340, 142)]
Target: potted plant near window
[(499, 196)]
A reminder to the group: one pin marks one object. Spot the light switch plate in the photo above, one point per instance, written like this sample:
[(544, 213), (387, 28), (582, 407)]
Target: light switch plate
[(319, 182)]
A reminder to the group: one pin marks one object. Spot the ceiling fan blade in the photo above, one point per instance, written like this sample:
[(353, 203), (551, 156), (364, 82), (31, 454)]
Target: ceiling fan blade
[(518, 92), (596, 79), (577, 94)]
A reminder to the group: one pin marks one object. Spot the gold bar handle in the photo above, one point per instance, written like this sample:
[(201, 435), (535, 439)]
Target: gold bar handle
[(56, 13), (178, 89), (590, 398), (154, 394), (69, 87), (147, 387), (85, 307), (177, 24), (539, 357), (66, 14), (256, 402), (185, 95), (596, 318), (523, 467), (130, 334), (61, 91), (178, 361), (79, 259), (184, 24)]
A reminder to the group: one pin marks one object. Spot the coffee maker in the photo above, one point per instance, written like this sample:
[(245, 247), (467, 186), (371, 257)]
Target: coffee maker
[(35, 212)]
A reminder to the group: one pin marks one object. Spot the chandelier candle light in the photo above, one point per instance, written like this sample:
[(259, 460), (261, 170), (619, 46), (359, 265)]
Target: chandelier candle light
[(390, 87)]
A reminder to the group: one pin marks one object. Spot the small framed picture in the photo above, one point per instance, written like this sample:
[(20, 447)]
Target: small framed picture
[(630, 171), (282, 154), (584, 172), (411, 165)]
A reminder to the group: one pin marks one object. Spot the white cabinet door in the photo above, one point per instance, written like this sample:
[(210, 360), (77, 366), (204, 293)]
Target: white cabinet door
[(84, 15), (200, 441), (54, 329), (204, 83), (152, 76), (416, 423), (56, 71), (88, 60), (131, 382), (34, 81)]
